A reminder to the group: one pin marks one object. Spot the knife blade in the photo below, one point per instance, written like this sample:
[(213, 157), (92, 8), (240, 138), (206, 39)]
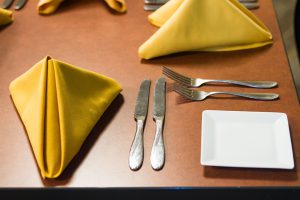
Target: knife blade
[(136, 154), (20, 4), (159, 108), (6, 4)]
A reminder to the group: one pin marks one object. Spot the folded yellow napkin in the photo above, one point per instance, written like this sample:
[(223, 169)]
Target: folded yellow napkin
[(204, 25), (50, 6), (5, 16), (59, 105)]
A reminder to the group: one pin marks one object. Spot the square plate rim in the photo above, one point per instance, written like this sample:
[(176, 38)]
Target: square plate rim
[(290, 165)]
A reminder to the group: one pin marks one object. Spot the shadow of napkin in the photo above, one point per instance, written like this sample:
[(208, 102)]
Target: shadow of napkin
[(206, 25), (59, 105)]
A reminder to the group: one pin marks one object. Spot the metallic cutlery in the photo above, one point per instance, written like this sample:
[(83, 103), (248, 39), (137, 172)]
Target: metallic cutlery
[(136, 154), (197, 82), (6, 4), (159, 108), (196, 95), (19, 4), (151, 5)]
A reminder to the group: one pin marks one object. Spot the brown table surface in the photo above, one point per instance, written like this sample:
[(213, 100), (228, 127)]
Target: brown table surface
[(88, 35)]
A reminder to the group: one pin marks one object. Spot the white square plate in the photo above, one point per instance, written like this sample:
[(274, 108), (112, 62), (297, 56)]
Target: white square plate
[(246, 139)]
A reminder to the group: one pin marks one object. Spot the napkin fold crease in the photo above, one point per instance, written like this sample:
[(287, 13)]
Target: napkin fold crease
[(59, 105), (206, 25)]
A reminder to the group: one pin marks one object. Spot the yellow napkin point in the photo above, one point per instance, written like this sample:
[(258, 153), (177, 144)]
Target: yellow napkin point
[(117, 5), (50, 6), (206, 25), (59, 105), (6, 16), (161, 15)]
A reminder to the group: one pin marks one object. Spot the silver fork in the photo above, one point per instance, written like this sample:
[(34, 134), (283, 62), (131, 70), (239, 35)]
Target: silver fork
[(196, 95), (197, 82)]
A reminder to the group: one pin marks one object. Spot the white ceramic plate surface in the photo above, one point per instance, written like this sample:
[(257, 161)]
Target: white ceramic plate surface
[(246, 139)]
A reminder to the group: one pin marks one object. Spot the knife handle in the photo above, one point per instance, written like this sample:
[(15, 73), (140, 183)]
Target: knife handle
[(136, 154), (158, 149)]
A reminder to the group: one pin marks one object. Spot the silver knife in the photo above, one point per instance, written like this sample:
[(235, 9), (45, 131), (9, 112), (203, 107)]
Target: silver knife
[(136, 154), (7, 3), (159, 108), (20, 4)]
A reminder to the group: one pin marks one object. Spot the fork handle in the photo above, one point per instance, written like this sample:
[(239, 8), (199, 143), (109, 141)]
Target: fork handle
[(258, 96), (254, 84), (158, 150)]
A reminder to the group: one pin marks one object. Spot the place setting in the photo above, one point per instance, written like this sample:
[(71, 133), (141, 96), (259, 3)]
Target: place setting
[(59, 103), (245, 139)]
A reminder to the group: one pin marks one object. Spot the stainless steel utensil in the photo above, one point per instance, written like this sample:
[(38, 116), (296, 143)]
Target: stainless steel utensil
[(155, 1), (20, 4), (251, 5), (148, 7), (136, 154), (6, 4), (196, 95), (197, 82), (151, 5), (158, 149)]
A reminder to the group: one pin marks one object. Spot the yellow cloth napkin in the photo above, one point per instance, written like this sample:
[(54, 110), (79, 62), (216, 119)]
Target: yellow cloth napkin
[(204, 25), (59, 105), (50, 6), (5, 16)]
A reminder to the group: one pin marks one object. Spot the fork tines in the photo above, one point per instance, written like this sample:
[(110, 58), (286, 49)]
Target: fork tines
[(184, 91), (177, 77)]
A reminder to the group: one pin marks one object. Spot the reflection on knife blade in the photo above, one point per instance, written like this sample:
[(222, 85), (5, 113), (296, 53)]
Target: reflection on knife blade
[(136, 154), (20, 4)]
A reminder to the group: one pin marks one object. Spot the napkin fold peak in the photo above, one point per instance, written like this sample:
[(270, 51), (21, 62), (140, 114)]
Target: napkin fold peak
[(6, 16), (59, 105)]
